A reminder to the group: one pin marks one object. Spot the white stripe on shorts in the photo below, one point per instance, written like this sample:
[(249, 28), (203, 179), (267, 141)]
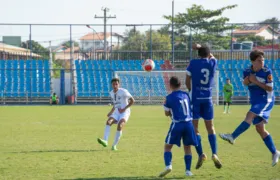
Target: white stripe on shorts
[(265, 107), (169, 135)]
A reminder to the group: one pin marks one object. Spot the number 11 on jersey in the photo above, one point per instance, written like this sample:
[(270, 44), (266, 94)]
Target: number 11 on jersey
[(185, 106)]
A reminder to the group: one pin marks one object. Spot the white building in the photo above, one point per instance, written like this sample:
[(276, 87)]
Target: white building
[(95, 41), (265, 31)]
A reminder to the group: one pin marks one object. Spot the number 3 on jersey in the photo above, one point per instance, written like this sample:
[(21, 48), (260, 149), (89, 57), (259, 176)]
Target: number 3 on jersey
[(206, 74)]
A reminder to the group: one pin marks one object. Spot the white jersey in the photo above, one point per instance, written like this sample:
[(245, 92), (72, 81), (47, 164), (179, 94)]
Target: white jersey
[(120, 98)]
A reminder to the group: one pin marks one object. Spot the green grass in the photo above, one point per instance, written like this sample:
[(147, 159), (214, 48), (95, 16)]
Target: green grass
[(59, 142)]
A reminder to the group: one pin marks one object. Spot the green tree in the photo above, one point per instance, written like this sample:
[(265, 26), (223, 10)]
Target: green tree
[(203, 25), (160, 42), (67, 44), (139, 44), (257, 40), (57, 65), (36, 48), (273, 22), (134, 41)]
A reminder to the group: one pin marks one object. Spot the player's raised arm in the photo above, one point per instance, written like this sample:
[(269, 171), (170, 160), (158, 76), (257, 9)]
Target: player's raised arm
[(189, 76), (253, 79)]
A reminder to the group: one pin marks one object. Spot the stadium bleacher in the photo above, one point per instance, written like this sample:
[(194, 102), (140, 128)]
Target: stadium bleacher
[(233, 69), (93, 76), (20, 77)]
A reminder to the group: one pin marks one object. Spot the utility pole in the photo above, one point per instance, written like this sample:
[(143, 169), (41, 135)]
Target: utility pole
[(173, 33), (105, 17)]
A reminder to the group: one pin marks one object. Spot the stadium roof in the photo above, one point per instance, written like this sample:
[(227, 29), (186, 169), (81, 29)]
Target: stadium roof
[(16, 50)]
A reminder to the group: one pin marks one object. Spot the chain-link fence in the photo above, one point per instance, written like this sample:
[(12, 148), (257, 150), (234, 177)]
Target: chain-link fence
[(33, 55)]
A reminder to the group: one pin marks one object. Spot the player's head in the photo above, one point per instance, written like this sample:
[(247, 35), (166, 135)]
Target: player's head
[(204, 51), (228, 81), (257, 59), (174, 83), (54, 94), (115, 83)]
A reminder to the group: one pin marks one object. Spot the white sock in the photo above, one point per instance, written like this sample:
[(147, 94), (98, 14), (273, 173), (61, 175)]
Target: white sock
[(107, 132), (117, 138), (169, 167)]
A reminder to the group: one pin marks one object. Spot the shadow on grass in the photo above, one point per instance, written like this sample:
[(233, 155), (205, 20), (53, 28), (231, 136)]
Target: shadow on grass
[(126, 178), (54, 151)]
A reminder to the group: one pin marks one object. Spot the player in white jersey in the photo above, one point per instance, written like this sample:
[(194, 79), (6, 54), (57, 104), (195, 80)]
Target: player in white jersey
[(119, 114)]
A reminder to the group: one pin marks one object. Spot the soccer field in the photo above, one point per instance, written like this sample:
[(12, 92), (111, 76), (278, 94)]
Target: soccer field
[(59, 142)]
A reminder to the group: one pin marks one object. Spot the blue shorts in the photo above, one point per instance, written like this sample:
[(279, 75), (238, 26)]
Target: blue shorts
[(262, 110), (181, 130), (203, 110)]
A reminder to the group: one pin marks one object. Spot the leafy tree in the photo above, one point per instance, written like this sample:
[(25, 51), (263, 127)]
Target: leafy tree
[(67, 44), (36, 48), (139, 44), (134, 41), (257, 40), (203, 25), (273, 22)]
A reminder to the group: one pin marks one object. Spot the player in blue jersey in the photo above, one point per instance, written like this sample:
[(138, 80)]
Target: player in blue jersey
[(199, 81), (177, 106), (259, 80)]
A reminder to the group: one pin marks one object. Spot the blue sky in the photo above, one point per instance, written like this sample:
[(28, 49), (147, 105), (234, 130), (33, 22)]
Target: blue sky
[(127, 12)]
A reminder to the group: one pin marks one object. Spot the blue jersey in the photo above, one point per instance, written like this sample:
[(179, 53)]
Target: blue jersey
[(202, 72), (178, 103), (257, 94)]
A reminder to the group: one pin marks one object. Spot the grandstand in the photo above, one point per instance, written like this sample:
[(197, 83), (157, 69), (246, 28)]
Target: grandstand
[(23, 80), (233, 69)]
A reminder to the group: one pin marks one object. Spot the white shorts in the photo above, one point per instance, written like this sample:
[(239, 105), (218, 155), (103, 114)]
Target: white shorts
[(118, 116)]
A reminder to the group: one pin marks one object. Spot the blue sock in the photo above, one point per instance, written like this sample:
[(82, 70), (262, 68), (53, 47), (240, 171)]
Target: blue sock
[(240, 129), (167, 158), (199, 146), (269, 144), (213, 143), (188, 162)]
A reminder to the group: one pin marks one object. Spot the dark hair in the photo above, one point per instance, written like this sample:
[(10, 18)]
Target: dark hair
[(115, 80), (203, 51), (255, 54), (175, 82), (228, 79), (54, 94)]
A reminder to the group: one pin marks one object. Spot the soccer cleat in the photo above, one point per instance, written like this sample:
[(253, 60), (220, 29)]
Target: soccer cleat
[(114, 148), (275, 158), (228, 112), (227, 137), (224, 112), (216, 161), (102, 142), (189, 173), (200, 161), (165, 172)]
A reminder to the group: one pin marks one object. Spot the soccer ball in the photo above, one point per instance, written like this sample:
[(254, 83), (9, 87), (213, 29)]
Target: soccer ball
[(148, 65)]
